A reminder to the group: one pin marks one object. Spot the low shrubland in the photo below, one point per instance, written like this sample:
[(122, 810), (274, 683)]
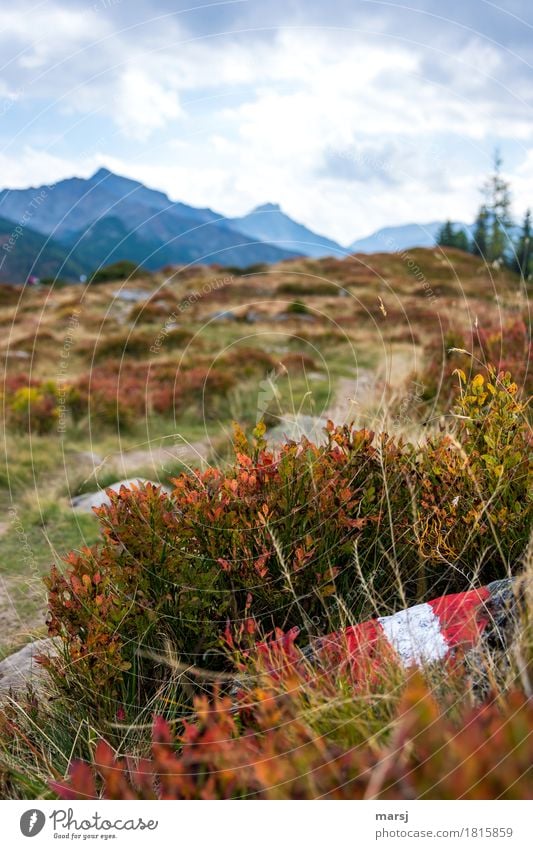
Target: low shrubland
[(302, 537), (161, 619), (507, 344), (156, 625), (274, 746)]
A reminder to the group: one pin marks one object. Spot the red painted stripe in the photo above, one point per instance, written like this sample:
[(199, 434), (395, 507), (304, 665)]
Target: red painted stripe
[(463, 616), (364, 649)]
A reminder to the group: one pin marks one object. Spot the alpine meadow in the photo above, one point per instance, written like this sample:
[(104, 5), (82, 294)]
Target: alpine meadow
[(266, 478)]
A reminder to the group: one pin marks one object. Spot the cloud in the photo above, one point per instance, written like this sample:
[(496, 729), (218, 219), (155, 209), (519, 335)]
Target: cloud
[(144, 104), (351, 114)]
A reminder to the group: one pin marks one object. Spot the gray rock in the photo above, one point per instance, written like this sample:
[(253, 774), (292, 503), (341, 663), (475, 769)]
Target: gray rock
[(19, 355), (132, 295), (292, 428), (21, 669), (224, 315), (85, 503)]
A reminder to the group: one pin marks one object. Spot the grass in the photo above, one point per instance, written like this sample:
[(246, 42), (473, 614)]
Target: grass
[(308, 721), (36, 537), (310, 733)]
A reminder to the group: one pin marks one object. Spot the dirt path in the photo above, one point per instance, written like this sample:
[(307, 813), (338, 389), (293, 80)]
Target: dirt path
[(190, 454), (365, 398), (353, 397)]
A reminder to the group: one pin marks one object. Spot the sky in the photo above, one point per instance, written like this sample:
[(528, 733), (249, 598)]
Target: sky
[(351, 114)]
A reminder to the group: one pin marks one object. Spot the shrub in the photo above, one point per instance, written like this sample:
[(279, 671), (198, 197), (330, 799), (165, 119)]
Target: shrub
[(297, 308), (309, 537), (111, 396), (475, 486), (32, 406), (297, 362), (508, 347), (148, 311), (305, 286), (123, 392), (245, 271), (121, 270), (127, 343), (271, 749), (134, 592), (247, 362)]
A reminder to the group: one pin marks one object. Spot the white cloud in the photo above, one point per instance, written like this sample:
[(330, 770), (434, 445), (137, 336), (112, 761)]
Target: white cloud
[(232, 121), (48, 32), (144, 104)]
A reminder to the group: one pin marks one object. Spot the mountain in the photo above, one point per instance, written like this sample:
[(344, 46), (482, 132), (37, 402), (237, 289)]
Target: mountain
[(122, 187), (394, 239), (269, 223), (103, 217), (71, 204), (24, 252), (167, 240)]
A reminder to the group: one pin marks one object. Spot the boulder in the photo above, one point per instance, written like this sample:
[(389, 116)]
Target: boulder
[(85, 503), (293, 427), (21, 669)]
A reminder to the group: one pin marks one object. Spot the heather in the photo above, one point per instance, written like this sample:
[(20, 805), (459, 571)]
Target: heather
[(183, 610)]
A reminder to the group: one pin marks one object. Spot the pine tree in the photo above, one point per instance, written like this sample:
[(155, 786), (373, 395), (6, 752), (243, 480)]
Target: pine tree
[(498, 204), (446, 235), (449, 237), (523, 260), (461, 240), (480, 240)]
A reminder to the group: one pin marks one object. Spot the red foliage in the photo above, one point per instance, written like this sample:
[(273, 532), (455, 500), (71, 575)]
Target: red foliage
[(263, 749)]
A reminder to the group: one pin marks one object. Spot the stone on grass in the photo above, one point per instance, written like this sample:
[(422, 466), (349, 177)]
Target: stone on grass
[(85, 503), (21, 669)]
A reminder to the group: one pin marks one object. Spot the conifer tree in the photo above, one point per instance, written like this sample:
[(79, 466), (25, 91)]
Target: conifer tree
[(449, 237), (480, 239), (523, 260), (498, 204)]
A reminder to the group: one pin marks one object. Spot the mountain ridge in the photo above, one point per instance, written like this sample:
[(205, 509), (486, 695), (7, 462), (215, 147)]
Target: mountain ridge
[(107, 217), (158, 231), (269, 223)]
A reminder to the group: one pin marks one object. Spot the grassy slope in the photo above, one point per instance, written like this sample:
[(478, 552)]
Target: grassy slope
[(390, 307)]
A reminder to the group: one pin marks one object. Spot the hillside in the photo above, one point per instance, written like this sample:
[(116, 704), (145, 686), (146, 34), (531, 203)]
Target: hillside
[(403, 237), (155, 229), (24, 252), (377, 473)]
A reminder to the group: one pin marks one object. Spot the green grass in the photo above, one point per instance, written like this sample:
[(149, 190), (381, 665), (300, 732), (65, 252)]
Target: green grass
[(35, 538)]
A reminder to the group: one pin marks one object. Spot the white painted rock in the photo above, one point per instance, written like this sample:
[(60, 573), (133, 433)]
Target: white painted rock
[(85, 503), (20, 669)]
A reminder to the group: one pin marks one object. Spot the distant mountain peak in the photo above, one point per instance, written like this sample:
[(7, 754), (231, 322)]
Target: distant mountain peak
[(101, 174), (402, 237), (268, 223), (267, 207)]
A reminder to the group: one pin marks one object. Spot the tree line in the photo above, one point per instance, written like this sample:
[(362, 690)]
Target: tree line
[(494, 235)]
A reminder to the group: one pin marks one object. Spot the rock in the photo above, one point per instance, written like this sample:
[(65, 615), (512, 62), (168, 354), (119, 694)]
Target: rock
[(19, 355), (491, 653), (21, 669), (85, 503), (292, 428), (224, 315), (131, 295)]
